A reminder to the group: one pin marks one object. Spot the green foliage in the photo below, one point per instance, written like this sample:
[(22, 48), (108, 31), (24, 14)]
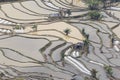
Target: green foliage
[(95, 15), (67, 31), (86, 78), (93, 4), (17, 27), (35, 27), (69, 12), (93, 73), (109, 70), (84, 34), (62, 56), (86, 42), (87, 36), (83, 31), (86, 45), (2, 74)]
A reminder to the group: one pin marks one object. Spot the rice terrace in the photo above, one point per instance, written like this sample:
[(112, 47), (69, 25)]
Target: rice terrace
[(59, 39)]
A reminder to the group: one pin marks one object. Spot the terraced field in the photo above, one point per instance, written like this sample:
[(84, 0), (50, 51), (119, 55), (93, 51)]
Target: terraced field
[(34, 46)]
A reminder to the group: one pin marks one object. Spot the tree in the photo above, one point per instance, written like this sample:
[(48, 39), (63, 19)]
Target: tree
[(35, 27), (69, 12), (93, 4), (109, 70), (2, 74), (17, 27), (87, 36), (86, 45), (67, 31), (83, 31), (112, 41), (86, 42), (95, 15), (93, 73)]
